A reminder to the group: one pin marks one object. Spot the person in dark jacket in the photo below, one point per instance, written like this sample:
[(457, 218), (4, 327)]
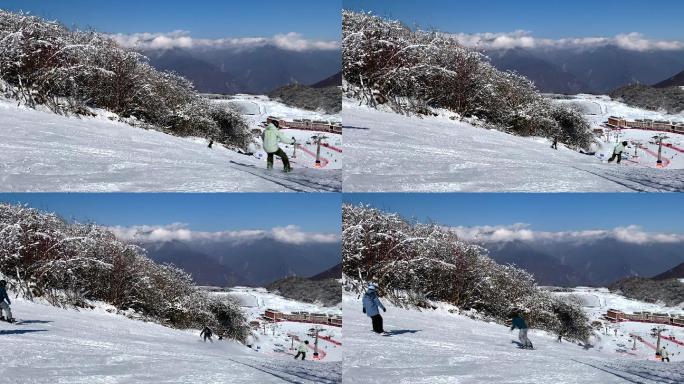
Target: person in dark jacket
[(211, 144), (206, 333), (5, 302), (372, 306), (519, 322), (555, 143)]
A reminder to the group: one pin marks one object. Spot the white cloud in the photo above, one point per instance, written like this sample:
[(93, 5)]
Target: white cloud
[(290, 234), (523, 39), (630, 234), (182, 39)]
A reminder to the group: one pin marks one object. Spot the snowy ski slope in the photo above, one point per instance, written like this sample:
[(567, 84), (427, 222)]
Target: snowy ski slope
[(42, 151), (390, 152), (54, 345), (435, 347)]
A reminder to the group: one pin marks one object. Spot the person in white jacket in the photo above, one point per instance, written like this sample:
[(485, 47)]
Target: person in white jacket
[(617, 152), (664, 355), (301, 349), (271, 137)]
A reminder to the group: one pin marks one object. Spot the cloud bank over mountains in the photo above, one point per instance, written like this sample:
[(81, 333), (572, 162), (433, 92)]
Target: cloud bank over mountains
[(290, 234), (291, 41), (633, 41), (521, 232)]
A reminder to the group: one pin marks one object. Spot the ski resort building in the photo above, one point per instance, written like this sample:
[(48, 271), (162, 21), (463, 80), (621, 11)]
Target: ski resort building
[(651, 125), (617, 316), (308, 125), (273, 315)]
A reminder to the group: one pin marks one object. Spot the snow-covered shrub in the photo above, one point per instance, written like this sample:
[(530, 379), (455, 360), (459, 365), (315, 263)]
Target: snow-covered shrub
[(412, 262), (412, 70), (45, 63), (68, 264)]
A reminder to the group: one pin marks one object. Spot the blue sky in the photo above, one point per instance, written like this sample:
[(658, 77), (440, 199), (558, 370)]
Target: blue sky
[(206, 19), (316, 212), (544, 212), (657, 19)]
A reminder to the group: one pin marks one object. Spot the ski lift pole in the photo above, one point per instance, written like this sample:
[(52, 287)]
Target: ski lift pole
[(316, 343)]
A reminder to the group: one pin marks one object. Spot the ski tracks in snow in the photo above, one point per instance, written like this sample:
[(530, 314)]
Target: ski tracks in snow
[(640, 372)]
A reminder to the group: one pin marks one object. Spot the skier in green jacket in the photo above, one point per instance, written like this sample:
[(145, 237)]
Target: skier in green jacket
[(271, 137), (617, 152)]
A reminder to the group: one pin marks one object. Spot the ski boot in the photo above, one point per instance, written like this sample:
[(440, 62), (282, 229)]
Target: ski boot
[(287, 170), (269, 167)]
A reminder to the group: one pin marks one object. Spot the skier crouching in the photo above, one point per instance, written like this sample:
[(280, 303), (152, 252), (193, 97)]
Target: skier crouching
[(5, 302), (301, 349), (371, 305), (617, 152), (519, 322), (207, 333), (270, 138)]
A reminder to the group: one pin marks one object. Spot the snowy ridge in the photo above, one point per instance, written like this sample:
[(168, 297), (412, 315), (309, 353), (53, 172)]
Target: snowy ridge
[(53, 345)]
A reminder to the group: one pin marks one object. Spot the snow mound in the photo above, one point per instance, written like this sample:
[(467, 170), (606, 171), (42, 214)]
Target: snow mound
[(53, 345)]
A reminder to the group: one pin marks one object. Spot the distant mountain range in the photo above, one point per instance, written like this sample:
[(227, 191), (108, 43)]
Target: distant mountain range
[(597, 262), (670, 99), (332, 273), (249, 263), (674, 81), (256, 70), (332, 81), (673, 273), (588, 70)]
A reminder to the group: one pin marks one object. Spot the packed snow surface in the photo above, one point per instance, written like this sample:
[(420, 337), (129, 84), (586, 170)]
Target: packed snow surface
[(435, 346), (53, 345), (391, 152), (42, 151)]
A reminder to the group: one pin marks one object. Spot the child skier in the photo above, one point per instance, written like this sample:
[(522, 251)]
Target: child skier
[(271, 137), (617, 152), (5, 302), (207, 333), (519, 322), (301, 349), (371, 305)]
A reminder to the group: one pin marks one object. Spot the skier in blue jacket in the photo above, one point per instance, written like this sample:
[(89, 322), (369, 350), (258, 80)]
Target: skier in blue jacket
[(519, 322), (5, 302), (371, 307)]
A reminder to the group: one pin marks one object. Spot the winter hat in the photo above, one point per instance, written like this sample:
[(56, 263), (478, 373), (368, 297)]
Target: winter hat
[(3, 283), (372, 287), (276, 123), (624, 143)]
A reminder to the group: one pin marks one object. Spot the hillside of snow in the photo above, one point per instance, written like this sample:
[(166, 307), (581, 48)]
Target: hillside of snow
[(391, 152), (53, 345), (435, 346), (42, 151), (275, 339)]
